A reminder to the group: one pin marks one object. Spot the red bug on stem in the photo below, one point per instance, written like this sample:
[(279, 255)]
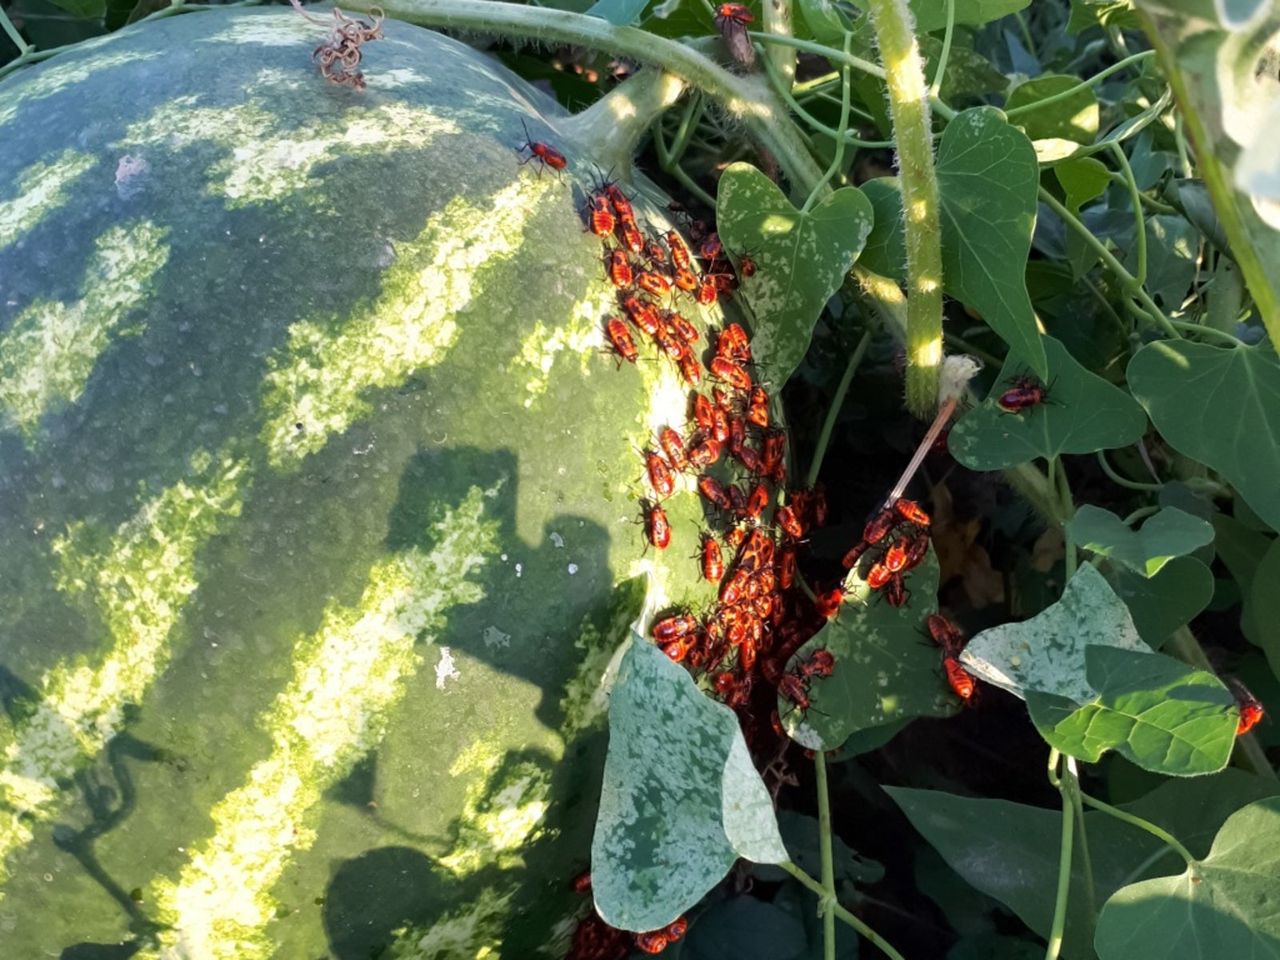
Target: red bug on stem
[(545, 154), (789, 522), (1251, 709), (911, 512)]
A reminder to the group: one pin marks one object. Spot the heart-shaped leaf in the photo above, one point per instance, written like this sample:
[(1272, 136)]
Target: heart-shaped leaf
[(1223, 906), (1185, 386), (1161, 604), (801, 258), (988, 180), (885, 667), (1046, 654), (1158, 712), (1166, 534), (681, 799), (1083, 179), (1082, 413), (1056, 129)]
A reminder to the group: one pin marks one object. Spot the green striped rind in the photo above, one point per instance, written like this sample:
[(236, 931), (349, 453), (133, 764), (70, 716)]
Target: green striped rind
[(319, 502)]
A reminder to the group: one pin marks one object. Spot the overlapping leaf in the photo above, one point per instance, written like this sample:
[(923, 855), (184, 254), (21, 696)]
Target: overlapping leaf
[(987, 184), (1226, 905), (1166, 534), (1264, 592), (1155, 711), (801, 258), (1058, 128), (1084, 413), (885, 667), (1161, 604), (1185, 386), (681, 799)]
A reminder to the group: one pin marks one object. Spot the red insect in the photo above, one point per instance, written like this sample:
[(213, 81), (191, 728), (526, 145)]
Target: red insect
[(911, 512), (674, 627), (1024, 393), (878, 576), (820, 664), (758, 408), (630, 235), (654, 283), (945, 634), (545, 154), (702, 413), (712, 559), (655, 941), (690, 369), (746, 266), (787, 566), (705, 453), (713, 490), (917, 548), (773, 451), (678, 650), (722, 399), (655, 252), (685, 330), (730, 373), (719, 425), (818, 505), (896, 591), (676, 929), (855, 553), (758, 551), (878, 526), (657, 527), (643, 315), (733, 343), (749, 457), (738, 14), (895, 558), (793, 688), (1251, 709), (582, 882), (959, 679), (600, 218), (737, 502), (736, 536), (789, 522), (686, 280), (618, 268), (711, 248), (679, 252), (621, 204), (673, 446), (620, 339), (659, 474), (707, 291), (671, 345), (734, 588), (758, 500), (828, 603)]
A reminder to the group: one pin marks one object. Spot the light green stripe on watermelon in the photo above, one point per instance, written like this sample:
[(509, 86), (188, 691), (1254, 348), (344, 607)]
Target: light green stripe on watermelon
[(55, 78), (582, 334), (138, 587), (474, 932), (346, 678), (41, 188), (48, 354), (274, 32), (263, 162), (318, 388)]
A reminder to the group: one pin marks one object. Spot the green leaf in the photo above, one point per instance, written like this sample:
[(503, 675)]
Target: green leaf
[(1161, 604), (1083, 179), (1173, 247), (987, 186), (681, 799), (801, 836), (1046, 654), (621, 13), (86, 9), (1083, 413), (826, 23), (1166, 534), (969, 74), (1264, 593), (1241, 550), (1224, 906), (1158, 712), (885, 669), (801, 258), (1219, 406), (1058, 128), (745, 928)]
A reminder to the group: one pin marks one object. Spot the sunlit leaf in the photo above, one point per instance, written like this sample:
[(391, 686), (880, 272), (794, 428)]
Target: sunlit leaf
[(1155, 711), (801, 258), (1046, 654), (987, 184), (1224, 906), (1219, 406), (1083, 179), (1083, 413), (825, 22), (681, 799), (1059, 127), (1161, 604), (886, 669), (1168, 533)]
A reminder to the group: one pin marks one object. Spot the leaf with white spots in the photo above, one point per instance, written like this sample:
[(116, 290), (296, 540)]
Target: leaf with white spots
[(1046, 654), (886, 669), (681, 799), (801, 257), (1167, 534)]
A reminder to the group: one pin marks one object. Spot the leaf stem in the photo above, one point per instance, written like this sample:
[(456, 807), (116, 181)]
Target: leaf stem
[(1199, 328), (1082, 85), (671, 166), (1065, 785), (837, 159), (841, 913), (1082, 845), (1135, 197), (1125, 482), (778, 23), (1159, 833), (846, 137), (833, 411), (941, 69), (1067, 507), (1139, 514), (828, 862), (7, 25), (922, 232)]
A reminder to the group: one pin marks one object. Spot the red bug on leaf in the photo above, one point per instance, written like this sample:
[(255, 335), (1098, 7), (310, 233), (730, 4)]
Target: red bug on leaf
[(618, 268), (730, 373), (1025, 392), (1251, 709), (959, 679), (545, 154), (758, 500), (945, 634), (685, 330), (679, 252), (690, 369), (702, 413), (710, 248), (917, 548), (746, 266), (657, 284), (828, 604), (878, 576), (787, 566), (714, 492), (733, 343), (821, 663), (630, 236), (705, 453), (707, 291), (734, 588), (793, 689), (621, 203), (896, 592), (657, 527), (879, 526), (895, 558), (620, 339), (643, 315), (686, 280), (758, 407), (674, 627)]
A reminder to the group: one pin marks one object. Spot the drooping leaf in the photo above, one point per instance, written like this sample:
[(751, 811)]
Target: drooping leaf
[(987, 186), (1101, 13), (681, 799), (1083, 179), (969, 74), (1168, 533), (995, 946), (1059, 127), (1186, 386), (1173, 248), (1161, 604), (885, 669), (1083, 413), (85, 9), (801, 258), (1226, 905), (1046, 654), (1155, 711), (1265, 595)]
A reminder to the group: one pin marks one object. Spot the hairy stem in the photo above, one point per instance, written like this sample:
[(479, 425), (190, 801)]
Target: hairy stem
[(777, 22), (615, 123), (922, 232)]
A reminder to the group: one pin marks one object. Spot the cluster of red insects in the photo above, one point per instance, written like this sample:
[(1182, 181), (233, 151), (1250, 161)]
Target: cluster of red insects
[(596, 940)]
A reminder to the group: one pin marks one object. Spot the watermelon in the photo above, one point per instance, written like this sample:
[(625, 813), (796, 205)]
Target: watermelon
[(319, 500)]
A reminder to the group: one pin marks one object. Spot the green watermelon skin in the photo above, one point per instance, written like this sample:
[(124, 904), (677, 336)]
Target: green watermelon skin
[(318, 502)]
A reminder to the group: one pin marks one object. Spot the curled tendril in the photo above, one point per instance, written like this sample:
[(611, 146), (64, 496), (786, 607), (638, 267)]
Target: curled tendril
[(339, 55)]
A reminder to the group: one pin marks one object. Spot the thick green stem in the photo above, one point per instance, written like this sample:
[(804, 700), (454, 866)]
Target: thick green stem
[(1068, 510), (828, 861), (615, 123), (841, 913), (777, 22), (922, 231), (1082, 841), (1065, 785)]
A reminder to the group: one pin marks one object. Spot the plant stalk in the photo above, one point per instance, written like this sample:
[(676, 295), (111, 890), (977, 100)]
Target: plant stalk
[(833, 412), (1065, 784), (615, 123), (828, 861), (841, 913)]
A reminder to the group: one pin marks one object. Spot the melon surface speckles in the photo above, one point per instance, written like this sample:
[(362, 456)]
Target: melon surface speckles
[(318, 388), (48, 355), (473, 933), (265, 162), (345, 680), (138, 590), (55, 78), (40, 189), (581, 336)]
